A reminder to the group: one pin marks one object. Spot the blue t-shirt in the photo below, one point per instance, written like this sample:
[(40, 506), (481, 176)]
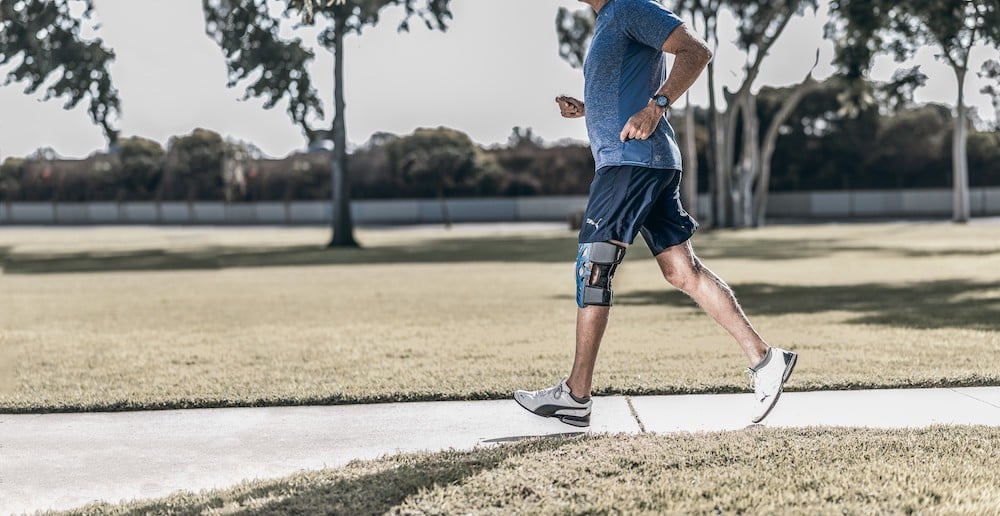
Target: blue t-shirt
[(623, 70)]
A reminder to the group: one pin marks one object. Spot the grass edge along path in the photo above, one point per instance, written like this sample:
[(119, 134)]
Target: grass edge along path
[(188, 404), (947, 469)]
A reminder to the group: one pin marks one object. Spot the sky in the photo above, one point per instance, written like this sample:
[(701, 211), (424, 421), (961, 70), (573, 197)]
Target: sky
[(495, 68)]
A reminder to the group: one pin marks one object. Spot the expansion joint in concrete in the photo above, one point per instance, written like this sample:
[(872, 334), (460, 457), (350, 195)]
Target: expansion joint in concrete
[(635, 414), (967, 395)]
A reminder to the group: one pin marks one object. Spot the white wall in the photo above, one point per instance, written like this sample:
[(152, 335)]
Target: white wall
[(787, 205)]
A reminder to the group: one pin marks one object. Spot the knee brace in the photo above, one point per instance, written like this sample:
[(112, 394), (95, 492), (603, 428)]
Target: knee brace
[(596, 263)]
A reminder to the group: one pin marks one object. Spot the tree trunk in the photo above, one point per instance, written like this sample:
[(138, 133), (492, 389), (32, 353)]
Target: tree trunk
[(720, 185), (711, 121), (342, 225), (770, 142), (740, 176), (445, 214), (191, 189), (749, 167), (960, 162), (727, 162), (723, 166), (689, 181)]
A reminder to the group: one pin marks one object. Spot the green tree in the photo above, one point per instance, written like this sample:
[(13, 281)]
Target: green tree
[(984, 158), (194, 166), (139, 168), (864, 28), (910, 146), (742, 180), (248, 35), (42, 42), (439, 160), (11, 172), (820, 147)]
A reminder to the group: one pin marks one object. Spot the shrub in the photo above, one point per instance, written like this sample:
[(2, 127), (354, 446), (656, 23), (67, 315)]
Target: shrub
[(194, 167)]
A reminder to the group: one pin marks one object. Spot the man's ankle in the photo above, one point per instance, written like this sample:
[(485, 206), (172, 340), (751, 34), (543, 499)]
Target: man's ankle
[(575, 393), (758, 360)]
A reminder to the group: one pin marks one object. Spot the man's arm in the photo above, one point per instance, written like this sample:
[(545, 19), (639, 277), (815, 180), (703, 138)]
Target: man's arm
[(691, 54)]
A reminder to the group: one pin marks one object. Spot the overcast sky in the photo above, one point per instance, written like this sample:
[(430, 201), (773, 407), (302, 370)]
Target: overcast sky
[(496, 68)]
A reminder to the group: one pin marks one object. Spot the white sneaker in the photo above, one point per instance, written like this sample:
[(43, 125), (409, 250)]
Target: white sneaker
[(767, 379), (556, 402)]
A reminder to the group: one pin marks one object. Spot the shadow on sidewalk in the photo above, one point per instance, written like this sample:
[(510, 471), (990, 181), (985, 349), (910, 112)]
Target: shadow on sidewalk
[(519, 438)]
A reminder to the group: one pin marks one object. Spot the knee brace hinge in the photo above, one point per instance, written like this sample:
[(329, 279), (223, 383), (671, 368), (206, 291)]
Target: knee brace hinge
[(596, 264)]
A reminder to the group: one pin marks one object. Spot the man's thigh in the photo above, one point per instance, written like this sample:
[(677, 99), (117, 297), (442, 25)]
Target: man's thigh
[(668, 225), (621, 200)]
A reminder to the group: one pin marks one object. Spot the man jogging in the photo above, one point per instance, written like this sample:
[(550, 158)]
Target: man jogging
[(637, 189)]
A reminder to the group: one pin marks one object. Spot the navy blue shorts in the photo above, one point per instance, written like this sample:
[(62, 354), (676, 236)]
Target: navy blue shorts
[(627, 199)]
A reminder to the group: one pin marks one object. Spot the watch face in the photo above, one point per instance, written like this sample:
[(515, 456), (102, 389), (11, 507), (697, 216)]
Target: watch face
[(662, 101)]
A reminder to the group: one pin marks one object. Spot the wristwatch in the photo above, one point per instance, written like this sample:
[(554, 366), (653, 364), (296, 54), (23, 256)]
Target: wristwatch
[(662, 101)]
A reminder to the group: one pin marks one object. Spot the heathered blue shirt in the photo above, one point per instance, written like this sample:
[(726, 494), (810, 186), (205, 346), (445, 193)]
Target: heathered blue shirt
[(623, 70)]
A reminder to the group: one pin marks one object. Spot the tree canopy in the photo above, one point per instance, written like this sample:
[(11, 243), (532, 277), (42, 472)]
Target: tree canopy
[(248, 34), (865, 28), (276, 69), (43, 42)]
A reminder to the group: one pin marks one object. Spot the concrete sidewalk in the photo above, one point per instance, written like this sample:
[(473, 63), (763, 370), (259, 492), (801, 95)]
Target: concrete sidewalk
[(61, 461)]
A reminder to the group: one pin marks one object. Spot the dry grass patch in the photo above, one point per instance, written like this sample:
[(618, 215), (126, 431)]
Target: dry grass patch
[(133, 318), (758, 471)]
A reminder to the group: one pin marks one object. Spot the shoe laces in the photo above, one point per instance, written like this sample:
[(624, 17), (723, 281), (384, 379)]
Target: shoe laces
[(753, 377), (556, 391)]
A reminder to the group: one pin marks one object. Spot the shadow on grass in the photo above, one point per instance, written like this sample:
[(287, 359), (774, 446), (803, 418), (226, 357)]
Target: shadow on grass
[(718, 245), (506, 249), (925, 305), (519, 438), (372, 493), (519, 249)]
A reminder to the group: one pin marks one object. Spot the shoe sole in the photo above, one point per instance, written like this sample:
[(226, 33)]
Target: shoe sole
[(577, 421), (784, 378)]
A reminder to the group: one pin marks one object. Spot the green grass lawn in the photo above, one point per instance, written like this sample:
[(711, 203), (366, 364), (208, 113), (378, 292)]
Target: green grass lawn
[(132, 318), (940, 470)]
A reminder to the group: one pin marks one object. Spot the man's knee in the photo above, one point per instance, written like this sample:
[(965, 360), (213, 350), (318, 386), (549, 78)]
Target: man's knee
[(596, 264), (683, 272), (682, 278)]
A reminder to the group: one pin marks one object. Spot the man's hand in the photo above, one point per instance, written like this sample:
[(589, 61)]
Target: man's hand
[(569, 107), (642, 124)]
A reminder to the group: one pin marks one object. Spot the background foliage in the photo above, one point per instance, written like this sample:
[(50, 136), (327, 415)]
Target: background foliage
[(820, 149)]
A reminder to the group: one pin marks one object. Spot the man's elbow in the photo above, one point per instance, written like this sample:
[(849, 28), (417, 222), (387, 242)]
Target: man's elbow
[(696, 51), (702, 53)]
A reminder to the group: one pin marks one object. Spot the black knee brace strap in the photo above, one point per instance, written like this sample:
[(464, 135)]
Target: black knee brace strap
[(596, 264)]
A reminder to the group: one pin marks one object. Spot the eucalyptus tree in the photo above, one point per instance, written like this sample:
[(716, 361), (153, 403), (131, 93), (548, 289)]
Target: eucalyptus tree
[(865, 28), (759, 25), (43, 45), (249, 34)]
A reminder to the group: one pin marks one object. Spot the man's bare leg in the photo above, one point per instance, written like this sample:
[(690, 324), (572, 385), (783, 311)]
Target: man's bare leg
[(684, 270), (591, 321)]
